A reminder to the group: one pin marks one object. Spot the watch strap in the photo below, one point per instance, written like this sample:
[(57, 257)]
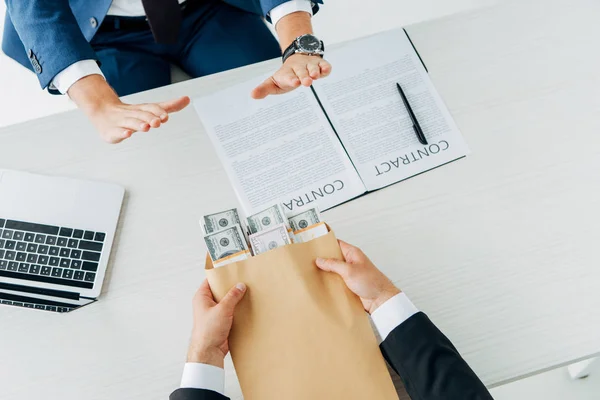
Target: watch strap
[(291, 50)]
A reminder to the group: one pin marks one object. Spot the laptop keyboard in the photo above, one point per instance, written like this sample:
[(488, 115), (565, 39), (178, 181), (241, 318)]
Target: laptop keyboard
[(51, 254), (44, 307)]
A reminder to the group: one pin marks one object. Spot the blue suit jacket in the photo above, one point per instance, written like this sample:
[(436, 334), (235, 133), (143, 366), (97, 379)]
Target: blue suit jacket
[(47, 36)]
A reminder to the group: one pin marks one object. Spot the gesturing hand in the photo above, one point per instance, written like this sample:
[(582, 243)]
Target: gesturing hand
[(361, 276), (115, 120), (297, 70), (212, 324)]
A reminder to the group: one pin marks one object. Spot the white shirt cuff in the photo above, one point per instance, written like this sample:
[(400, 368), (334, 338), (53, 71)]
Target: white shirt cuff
[(203, 376), (289, 7), (392, 313), (74, 72)]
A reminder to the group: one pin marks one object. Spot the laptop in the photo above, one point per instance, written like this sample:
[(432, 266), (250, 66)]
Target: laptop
[(56, 236)]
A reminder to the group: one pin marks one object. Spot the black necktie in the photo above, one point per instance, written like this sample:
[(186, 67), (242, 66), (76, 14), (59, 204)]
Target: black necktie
[(164, 17)]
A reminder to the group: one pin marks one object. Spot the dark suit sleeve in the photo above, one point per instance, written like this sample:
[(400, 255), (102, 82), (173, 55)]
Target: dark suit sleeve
[(429, 365), (50, 34), (196, 394)]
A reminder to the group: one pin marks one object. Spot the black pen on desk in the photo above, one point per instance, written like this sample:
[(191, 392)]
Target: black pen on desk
[(413, 118)]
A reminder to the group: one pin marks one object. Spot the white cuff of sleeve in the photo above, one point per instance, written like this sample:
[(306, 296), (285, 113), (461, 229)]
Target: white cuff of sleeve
[(203, 376), (74, 72), (392, 313), (289, 7)]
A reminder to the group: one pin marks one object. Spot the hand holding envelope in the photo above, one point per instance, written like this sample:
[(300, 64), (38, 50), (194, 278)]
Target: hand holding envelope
[(213, 321), (361, 276), (212, 324), (326, 348)]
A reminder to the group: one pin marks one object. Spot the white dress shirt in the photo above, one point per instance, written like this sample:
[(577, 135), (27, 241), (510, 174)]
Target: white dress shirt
[(386, 318), (128, 8), (134, 8)]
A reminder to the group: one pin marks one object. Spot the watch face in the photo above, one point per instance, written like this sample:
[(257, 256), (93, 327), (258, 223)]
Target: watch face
[(309, 43)]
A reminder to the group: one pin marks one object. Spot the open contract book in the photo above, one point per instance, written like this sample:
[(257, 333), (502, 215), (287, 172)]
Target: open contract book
[(347, 135)]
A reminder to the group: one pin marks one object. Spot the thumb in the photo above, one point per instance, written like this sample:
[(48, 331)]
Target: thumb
[(333, 265), (269, 86), (233, 297)]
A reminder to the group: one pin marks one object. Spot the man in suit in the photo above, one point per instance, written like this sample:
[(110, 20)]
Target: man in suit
[(83, 47), (429, 365)]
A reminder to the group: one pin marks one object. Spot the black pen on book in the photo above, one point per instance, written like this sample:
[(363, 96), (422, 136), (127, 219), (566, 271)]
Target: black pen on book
[(413, 118)]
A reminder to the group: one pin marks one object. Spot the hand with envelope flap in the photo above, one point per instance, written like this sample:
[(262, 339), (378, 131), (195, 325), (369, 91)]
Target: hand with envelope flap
[(318, 358)]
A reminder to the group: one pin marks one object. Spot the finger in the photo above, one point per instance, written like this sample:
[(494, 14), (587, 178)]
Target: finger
[(117, 135), (204, 296), (134, 124), (233, 297), (332, 265), (175, 105), (151, 119), (156, 110), (204, 290), (268, 87), (346, 247), (351, 253), (325, 68), (286, 79), (302, 74), (314, 70), (126, 134)]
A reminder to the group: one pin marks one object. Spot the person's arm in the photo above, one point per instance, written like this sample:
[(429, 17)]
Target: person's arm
[(203, 375), (298, 69), (429, 365), (51, 36), (61, 56)]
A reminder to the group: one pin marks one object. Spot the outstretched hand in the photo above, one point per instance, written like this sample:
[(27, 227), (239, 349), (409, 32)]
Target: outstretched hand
[(115, 120), (298, 70)]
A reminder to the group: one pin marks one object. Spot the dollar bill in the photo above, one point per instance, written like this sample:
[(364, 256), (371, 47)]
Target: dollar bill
[(226, 243), (268, 218), (269, 239), (304, 219), (221, 220), (310, 233)]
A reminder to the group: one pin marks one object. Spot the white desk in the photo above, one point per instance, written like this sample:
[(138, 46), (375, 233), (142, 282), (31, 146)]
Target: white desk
[(500, 249)]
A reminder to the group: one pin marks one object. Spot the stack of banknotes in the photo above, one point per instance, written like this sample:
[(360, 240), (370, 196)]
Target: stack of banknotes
[(228, 239)]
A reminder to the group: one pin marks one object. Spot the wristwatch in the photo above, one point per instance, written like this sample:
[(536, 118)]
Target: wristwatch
[(307, 44)]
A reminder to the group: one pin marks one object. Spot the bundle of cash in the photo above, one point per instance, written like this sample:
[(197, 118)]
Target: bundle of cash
[(269, 229), (266, 219), (227, 245), (221, 220), (307, 225), (270, 239)]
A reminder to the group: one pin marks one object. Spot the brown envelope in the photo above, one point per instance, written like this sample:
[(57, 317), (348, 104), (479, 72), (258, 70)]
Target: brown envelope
[(299, 333)]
